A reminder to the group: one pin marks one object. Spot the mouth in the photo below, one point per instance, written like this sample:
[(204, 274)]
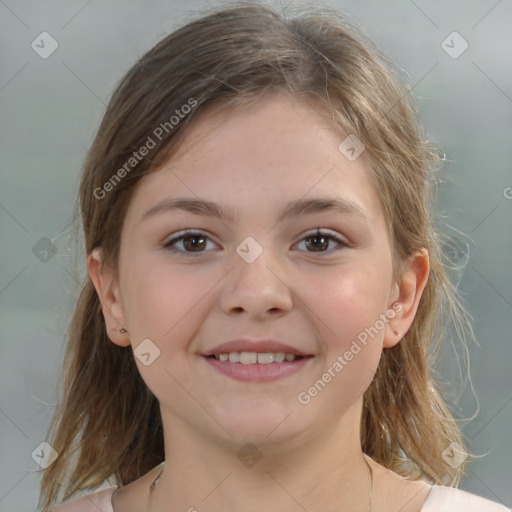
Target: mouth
[(256, 357), (257, 366)]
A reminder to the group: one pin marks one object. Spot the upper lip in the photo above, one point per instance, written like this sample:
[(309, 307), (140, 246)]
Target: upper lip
[(260, 346)]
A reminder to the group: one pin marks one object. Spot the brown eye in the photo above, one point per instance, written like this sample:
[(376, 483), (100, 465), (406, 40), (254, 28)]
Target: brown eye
[(319, 242), (190, 243), (194, 243)]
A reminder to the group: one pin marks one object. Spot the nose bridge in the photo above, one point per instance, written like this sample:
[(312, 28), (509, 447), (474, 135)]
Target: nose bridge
[(250, 250), (256, 285), (254, 261)]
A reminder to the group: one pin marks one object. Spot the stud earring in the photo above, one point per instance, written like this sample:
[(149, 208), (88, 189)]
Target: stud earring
[(123, 330)]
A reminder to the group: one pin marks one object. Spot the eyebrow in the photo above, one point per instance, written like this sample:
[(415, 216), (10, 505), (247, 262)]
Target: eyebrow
[(295, 208)]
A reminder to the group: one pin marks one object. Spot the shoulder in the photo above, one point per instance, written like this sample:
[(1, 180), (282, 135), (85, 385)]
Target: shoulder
[(96, 502), (450, 499)]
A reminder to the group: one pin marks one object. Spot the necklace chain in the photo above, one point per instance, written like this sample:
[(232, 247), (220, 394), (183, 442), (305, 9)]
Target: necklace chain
[(370, 506)]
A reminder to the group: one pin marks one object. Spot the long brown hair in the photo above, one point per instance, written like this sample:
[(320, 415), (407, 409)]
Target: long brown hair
[(108, 422)]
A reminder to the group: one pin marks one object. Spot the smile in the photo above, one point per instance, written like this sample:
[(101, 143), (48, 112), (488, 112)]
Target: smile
[(255, 366), (255, 357)]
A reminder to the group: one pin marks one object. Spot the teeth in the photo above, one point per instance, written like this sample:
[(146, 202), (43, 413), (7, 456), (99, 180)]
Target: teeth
[(256, 358), (234, 357), (265, 358), (280, 357), (248, 357)]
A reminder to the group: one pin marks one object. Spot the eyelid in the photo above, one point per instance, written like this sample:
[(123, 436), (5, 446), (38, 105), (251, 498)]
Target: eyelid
[(324, 231), (181, 234), (184, 233), (333, 235)]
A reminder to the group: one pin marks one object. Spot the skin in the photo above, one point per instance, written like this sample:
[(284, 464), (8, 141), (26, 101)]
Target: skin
[(255, 160)]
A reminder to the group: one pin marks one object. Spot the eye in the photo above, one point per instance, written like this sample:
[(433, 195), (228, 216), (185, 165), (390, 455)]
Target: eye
[(319, 241), (193, 242)]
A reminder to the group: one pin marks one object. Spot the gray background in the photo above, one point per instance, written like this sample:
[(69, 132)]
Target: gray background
[(52, 107)]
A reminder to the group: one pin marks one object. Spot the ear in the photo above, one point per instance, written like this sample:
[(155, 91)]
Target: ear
[(107, 289), (410, 289)]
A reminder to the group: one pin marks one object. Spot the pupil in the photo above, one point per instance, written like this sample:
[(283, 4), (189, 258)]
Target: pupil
[(325, 243), (189, 245)]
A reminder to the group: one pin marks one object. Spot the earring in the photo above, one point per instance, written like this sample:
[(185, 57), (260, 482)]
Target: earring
[(123, 330)]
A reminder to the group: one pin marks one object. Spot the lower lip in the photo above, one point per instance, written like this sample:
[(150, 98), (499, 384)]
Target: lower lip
[(258, 372)]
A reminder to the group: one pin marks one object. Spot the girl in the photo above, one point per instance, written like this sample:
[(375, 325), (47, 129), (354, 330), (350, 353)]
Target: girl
[(266, 287)]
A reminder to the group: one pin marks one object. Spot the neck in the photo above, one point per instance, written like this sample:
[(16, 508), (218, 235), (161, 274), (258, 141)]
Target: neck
[(327, 472)]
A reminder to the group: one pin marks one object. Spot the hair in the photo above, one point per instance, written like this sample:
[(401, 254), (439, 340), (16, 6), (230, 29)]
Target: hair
[(108, 422)]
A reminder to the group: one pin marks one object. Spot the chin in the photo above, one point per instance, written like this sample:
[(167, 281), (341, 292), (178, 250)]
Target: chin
[(264, 425)]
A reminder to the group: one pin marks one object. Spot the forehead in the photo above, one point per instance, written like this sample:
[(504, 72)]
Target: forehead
[(273, 151)]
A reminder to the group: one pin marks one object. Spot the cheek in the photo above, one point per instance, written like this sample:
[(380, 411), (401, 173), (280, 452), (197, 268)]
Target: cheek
[(346, 304), (347, 299), (162, 299), (164, 304)]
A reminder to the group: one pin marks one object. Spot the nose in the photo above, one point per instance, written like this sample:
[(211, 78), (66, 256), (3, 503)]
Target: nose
[(259, 288)]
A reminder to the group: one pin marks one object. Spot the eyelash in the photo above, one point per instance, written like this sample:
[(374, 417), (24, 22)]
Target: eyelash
[(193, 234)]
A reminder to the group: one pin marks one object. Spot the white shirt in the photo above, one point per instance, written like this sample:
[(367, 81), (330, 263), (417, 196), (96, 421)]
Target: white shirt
[(440, 499)]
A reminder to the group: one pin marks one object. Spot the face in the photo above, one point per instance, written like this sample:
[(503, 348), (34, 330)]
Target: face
[(279, 264)]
